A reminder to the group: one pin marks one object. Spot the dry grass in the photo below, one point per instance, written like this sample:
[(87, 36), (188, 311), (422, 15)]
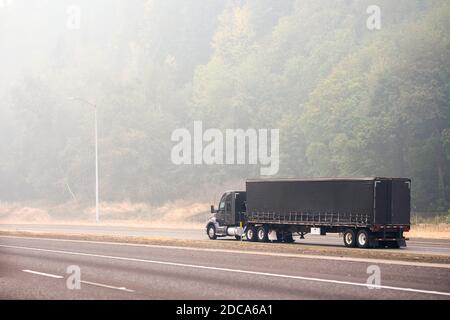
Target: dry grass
[(19, 212), (431, 231), (178, 214)]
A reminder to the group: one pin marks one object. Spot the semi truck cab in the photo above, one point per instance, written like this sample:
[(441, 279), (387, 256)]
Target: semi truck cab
[(228, 218)]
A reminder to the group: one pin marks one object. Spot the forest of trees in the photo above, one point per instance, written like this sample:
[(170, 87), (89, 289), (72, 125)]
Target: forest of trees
[(348, 101)]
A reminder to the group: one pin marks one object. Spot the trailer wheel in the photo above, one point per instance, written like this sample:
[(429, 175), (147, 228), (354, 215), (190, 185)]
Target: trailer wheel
[(263, 234), (212, 232), (251, 234), (350, 238), (363, 239)]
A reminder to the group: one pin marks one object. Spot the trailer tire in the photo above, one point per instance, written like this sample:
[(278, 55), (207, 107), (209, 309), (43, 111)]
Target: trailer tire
[(251, 234), (212, 232), (263, 234), (350, 238), (363, 239)]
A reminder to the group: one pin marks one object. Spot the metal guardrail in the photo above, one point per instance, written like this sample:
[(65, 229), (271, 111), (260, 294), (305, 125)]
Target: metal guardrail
[(319, 218)]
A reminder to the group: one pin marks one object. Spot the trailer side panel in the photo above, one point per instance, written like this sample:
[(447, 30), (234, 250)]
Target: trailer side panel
[(343, 197)]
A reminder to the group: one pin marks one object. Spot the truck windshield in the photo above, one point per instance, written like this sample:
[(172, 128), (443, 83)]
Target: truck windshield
[(223, 200)]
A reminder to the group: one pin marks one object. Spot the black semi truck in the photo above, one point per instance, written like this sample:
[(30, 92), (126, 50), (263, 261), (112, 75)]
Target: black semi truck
[(368, 212)]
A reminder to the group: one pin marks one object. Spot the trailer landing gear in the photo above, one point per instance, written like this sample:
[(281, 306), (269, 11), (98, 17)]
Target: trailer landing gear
[(288, 238)]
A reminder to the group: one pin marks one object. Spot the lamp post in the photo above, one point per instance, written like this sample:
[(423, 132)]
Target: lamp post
[(97, 214)]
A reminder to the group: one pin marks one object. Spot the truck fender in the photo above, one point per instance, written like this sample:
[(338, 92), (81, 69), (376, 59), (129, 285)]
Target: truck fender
[(213, 222)]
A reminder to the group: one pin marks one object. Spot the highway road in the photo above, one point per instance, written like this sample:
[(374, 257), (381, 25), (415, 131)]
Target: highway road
[(37, 269), (415, 245)]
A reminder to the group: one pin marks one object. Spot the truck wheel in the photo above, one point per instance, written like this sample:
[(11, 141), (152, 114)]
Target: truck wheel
[(350, 238), (363, 239), (238, 238), (251, 234), (263, 234), (212, 232)]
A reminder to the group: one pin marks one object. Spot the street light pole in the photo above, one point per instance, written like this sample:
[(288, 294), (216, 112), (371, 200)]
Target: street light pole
[(97, 215), (97, 211)]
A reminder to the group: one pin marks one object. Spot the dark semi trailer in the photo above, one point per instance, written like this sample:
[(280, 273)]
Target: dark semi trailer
[(368, 212)]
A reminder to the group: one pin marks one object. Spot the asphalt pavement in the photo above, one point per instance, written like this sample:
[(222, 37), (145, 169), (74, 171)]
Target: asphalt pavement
[(38, 269)]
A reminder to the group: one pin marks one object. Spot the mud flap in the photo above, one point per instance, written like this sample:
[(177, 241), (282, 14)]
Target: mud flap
[(273, 235)]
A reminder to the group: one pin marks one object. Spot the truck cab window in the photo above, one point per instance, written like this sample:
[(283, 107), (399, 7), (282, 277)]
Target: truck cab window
[(228, 200)]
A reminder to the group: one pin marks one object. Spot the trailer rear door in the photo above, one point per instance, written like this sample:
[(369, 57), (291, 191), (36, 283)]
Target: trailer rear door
[(392, 201), (383, 201), (401, 201)]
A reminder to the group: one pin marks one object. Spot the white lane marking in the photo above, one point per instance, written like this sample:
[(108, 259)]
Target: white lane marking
[(414, 248), (174, 264), (430, 242), (49, 275), (106, 286), (272, 254), (43, 274)]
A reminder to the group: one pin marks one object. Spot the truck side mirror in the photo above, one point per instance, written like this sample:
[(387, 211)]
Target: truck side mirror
[(213, 210)]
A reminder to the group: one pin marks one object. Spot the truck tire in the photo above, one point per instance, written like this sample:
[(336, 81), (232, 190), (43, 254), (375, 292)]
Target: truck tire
[(350, 238), (263, 234), (238, 238), (212, 232), (362, 239), (251, 234)]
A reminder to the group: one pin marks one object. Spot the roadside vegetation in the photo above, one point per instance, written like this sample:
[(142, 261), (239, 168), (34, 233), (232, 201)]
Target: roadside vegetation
[(348, 101)]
